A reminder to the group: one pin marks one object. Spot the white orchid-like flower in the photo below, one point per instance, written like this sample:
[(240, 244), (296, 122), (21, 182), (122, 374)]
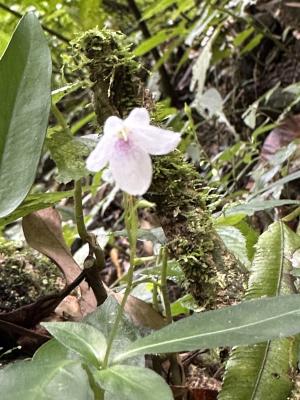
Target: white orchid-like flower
[(126, 145)]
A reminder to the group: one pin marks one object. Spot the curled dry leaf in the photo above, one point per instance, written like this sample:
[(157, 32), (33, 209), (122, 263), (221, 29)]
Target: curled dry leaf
[(281, 136), (42, 230), (141, 313)]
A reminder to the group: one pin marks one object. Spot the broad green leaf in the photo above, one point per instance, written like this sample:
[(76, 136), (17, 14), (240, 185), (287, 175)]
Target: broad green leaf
[(279, 182), (253, 43), (128, 382), (4, 40), (84, 339), (29, 380), (157, 39), (251, 237), (60, 93), (262, 371), (103, 319), (235, 241), (35, 202), (242, 36), (160, 6), (69, 154), (25, 74), (155, 235), (249, 234), (53, 351), (257, 205), (250, 322)]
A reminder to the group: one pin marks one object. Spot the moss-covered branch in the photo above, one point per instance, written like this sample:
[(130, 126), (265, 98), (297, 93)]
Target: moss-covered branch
[(213, 275)]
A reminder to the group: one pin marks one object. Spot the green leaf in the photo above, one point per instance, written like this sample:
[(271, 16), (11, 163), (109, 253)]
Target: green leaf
[(103, 319), (252, 44), (257, 205), (201, 66), (29, 380), (84, 339), (69, 155), (60, 93), (242, 36), (250, 322), (154, 9), (235, 241), (53, 351), (25, 75), (35, 202), (279, 182), (157, 39), (262, 371), (128, 382)]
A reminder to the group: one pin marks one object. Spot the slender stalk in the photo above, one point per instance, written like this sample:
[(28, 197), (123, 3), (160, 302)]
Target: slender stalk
[(177, 374), (60, 119), (293, 215), (79, 212), (131, 226), (154, 297), (164, 288)]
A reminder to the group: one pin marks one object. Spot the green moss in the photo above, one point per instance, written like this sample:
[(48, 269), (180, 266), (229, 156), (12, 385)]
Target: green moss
[(212, 274), (113, 71), (25, 275)]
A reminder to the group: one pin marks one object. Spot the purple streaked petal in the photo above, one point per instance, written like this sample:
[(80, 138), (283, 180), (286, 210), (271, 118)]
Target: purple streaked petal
[(131, 167), (138, 117), (155, 140)]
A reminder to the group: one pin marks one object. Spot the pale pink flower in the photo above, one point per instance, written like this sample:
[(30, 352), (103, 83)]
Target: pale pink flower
[(126, 145)]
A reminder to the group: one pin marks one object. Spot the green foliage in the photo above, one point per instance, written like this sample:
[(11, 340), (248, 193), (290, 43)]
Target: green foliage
[(113, 71), (249, 322), (35, 202), (263, 371), (132, 383), (69, 155), (24, 104), (81, 338), (69, 366)]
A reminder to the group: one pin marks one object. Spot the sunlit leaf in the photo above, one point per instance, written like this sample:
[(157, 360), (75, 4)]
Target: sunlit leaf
[(25, 73)]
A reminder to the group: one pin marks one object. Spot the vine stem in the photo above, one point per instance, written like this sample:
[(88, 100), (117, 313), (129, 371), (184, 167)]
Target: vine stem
[(131, 227)]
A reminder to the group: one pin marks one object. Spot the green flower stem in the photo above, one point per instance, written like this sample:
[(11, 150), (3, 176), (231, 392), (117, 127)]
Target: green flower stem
[(131, 223), (163, 288), (79, 212), (293, 215), (176, 371), (155, 297), (60, 119)]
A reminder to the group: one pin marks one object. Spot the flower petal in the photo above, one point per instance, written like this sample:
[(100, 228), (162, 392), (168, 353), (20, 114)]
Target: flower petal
[(137, 118), (131, 168), (112, 126), (155, 140), (100, 155)]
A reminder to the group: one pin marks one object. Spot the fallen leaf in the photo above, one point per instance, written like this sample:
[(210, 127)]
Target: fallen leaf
[(142, 314), (42, 230)]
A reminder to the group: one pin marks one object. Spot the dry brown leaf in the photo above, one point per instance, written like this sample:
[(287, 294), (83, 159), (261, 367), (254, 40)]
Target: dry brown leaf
[(42, 230), (141, 313)]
